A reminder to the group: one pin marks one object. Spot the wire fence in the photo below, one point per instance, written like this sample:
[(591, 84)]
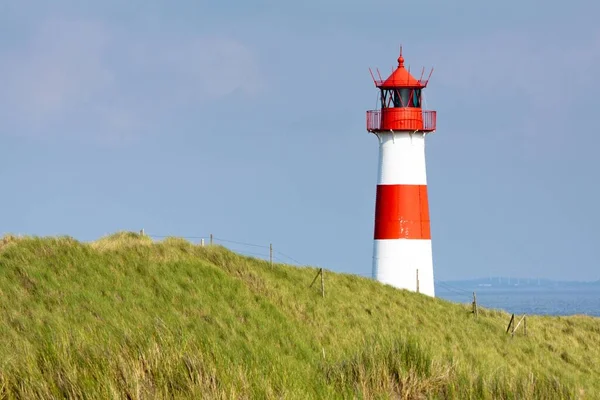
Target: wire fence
[(458, 293), (268, 252), (262, 251)]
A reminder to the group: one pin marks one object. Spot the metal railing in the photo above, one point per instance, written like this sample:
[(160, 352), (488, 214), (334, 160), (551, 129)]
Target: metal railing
[(429, 120), (374, 120)]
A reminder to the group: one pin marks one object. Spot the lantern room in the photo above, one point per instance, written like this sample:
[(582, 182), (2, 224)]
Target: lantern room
[(400, 102)]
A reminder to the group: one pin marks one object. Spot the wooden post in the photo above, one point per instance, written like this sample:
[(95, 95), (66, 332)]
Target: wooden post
[(271, 253), (475, 311), (142, 232), (515, 328), (320, 272), (202, 242), (211, 239), (417, 280), (512, 319), (316, 276)]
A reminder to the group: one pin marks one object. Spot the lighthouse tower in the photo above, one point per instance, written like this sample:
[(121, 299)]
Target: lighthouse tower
[(402, 254)]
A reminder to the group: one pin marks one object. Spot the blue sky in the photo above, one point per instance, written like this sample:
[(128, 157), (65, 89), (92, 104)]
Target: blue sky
[(247, 120)]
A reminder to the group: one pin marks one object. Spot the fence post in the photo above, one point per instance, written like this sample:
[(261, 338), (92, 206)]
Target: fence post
[(202, 242), (417, 280), (512, 318), (517, 326), (271, 253), (142, 232), (211, 239), (322, 284), (316, 276), (475, 311)]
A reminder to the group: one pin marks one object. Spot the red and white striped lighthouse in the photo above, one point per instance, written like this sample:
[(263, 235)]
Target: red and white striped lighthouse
[(402, 255)]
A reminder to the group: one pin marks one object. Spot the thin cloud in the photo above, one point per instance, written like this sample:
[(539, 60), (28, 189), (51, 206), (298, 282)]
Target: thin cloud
[(532, 69), (83, 77), (60, 67), (531, 83)]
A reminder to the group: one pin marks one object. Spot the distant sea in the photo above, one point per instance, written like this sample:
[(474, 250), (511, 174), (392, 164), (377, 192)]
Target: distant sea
[(548, 298)]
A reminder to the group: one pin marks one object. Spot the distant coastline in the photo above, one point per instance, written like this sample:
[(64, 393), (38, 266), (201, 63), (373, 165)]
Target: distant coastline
[(515, 283), (526, 296)]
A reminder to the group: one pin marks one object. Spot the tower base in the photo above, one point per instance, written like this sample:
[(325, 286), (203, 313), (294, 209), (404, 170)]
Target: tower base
[(404, 264)]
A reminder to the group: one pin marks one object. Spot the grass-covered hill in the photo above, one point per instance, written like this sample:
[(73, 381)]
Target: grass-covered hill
[(124, 317)]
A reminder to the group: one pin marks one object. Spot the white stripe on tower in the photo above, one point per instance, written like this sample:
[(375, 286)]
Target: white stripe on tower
[(402, 250)]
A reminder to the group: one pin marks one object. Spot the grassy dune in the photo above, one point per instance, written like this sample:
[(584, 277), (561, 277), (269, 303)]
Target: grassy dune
[(124, 317)]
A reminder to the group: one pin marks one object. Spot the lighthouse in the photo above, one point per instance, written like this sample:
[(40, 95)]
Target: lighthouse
[(402, 255)]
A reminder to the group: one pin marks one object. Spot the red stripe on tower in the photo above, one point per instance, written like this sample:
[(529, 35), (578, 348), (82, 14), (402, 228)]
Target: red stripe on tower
[(402, 212)]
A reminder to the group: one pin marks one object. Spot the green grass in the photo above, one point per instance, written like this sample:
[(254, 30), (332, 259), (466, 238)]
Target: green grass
[(124, 317)]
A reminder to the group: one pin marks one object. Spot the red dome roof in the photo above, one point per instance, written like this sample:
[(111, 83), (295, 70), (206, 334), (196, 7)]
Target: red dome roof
[(401, 78)]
